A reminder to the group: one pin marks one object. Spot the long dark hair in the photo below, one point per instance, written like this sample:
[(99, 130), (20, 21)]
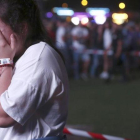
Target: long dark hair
[(16, 12)]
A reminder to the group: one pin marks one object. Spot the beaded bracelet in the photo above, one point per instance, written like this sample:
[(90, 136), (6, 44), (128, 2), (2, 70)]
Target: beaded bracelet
[(7, 65)]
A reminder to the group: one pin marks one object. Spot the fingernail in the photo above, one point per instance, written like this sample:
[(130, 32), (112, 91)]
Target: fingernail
[(12, 36)]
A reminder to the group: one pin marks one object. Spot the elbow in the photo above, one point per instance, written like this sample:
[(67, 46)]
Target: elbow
[(6, 122)]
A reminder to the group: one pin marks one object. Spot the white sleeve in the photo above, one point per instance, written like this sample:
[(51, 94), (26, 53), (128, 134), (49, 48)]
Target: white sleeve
[(20, 101), (24, 95), (107, 39)]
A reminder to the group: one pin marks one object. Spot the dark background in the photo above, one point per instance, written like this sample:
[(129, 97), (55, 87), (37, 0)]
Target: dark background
[(133, 5)]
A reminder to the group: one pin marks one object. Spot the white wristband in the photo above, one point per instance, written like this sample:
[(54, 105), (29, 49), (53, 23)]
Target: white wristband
[(4, 61)]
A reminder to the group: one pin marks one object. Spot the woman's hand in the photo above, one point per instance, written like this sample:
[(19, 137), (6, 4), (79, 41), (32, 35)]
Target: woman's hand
[(7, 50)]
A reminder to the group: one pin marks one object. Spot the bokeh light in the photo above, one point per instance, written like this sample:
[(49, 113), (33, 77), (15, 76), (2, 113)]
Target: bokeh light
[(68, 19), (119, 18), (65, 5), (75, 20), (84, 2), (100, 19), (84, 21), (49, 15), (121, 5)]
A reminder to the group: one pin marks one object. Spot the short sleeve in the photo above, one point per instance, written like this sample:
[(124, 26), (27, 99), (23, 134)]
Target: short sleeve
[(20, 101), (26, 91)]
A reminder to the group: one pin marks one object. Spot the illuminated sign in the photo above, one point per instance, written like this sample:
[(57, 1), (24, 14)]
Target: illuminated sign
[(97, 11), (63, 11), (119, 18)]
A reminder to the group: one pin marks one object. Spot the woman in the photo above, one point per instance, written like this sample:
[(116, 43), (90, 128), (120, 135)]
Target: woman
[(33, 95)]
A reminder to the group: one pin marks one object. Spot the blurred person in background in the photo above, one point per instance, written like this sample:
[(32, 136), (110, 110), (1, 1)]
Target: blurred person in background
[(107, 44), (136, 38), (128, 46), (50, 27), (117, 47), (33, 95), (60, 36), (96, 44), (61, 44), (80, 35), (136, 45), (68, 42)]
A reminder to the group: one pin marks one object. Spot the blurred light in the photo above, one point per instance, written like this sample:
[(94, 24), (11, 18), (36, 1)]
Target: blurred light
[(55, 9), (81, 15), (49, 15), (84, 20), (84, 2), (63, 11), (119, 18), (97, 11), (118, 21), (75, 20), (101, 19), (68, 19), (65, 5), (121, 5)]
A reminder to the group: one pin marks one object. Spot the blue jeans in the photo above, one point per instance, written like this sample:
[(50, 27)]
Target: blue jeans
[(95, 64)]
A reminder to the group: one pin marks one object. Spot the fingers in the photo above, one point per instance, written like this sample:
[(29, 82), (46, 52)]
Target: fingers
[(3, 41), (13, 41)]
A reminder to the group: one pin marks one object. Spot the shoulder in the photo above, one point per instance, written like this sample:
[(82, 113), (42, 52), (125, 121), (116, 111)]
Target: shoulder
[(45, 55), (39, 60), (35, 49), (39, 50)]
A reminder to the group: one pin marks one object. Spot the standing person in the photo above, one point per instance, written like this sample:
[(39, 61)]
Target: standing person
[(117, 46), (97, 44), (60, 35), (61, 41), (107, 43), (33, 95), (80, 35)]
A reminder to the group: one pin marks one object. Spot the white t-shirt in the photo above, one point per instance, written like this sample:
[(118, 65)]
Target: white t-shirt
[(60, 33), (107, 38), (37, 97), (79, 32)]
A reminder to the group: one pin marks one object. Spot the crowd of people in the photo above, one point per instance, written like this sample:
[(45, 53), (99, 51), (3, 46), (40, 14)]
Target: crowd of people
[(72, 41)]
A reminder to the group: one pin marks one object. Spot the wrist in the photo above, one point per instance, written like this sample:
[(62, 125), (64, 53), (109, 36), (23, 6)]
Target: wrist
[(6, 62)]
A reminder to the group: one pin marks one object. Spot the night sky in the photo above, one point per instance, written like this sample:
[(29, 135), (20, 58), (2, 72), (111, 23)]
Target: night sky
[(131, 5)]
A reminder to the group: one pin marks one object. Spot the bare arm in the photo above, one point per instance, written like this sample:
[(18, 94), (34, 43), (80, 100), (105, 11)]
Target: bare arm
[(6, 51), (5, 80)]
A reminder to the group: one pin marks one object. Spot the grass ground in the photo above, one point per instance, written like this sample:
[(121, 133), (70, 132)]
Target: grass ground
[(112, 108)]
